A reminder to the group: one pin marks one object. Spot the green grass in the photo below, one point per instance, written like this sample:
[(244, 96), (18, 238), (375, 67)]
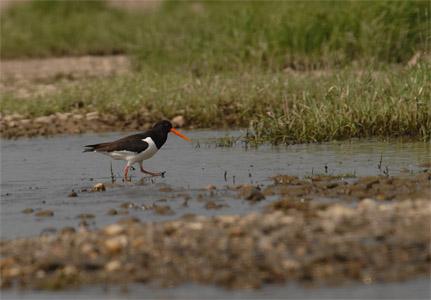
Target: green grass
[(229, 64), (276, 107), (216, 36)]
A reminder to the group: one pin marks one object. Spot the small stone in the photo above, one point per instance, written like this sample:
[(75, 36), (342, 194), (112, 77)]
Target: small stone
[(114, 229), (25, 122), (67, 230), (85, 216), (210, 187), (77, 117), (212, 204), (46, 213), (44, 119), (178, 121), (91, 116), (113, 265), (115, 244), (127, 205), (404, 170), (100, 187), (28, 210), (72, 194), (251, 193), (165, 189), (112, 212), (163, 210)]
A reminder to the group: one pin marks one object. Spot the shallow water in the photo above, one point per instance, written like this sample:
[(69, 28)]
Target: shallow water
[(414, 289), (40, 173)]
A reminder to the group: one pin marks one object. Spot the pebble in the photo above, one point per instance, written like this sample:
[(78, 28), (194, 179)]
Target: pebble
[(115, 244), (46, 213), (113, 265), (209, 187), (44, 119), (28, 210), (114, 229), (178, 121), (100, 187)]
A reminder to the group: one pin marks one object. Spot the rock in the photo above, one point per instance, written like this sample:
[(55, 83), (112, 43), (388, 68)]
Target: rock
[(210, 187), (72, 194), (85, 216), (100, 187), (63, 117), (28, 210), (115, 244), (128, 205), (113, 265), (251, 193), (178, 121), (44, 120), (164, 210), (92, 116), (114, 229), (46, 213), (25, 122), (67, 230), (77, 117), (212, 204), (404, 170)]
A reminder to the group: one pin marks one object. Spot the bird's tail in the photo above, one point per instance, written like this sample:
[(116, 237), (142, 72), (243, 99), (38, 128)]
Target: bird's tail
[(92, 148)]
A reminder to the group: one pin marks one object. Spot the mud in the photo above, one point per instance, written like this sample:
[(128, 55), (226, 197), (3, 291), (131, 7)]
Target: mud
[(294, 239)]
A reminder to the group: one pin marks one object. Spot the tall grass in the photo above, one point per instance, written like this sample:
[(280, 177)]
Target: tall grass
[(214, 36)]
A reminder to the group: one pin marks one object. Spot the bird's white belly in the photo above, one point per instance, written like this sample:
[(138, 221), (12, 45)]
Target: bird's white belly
[(133, 157)]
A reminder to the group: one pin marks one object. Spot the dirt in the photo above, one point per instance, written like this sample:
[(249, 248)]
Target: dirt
[(296, 238)]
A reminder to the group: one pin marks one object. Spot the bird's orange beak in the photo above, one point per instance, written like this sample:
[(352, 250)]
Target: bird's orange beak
[(179, 134)]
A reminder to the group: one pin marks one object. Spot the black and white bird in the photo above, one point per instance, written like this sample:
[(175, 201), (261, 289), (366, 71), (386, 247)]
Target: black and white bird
[(137, 147)]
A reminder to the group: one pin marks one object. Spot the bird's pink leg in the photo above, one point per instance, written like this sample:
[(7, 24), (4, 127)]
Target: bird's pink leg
[(125, 172), (146, 172)]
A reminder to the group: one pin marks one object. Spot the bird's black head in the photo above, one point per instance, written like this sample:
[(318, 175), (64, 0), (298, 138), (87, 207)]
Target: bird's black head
[(161, 130), (163, 126)]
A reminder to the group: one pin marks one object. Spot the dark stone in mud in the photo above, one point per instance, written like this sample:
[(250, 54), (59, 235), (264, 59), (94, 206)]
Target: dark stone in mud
[(85, 216), (67, 230), (212, 204), (46, 213), (285, 179), (163, 210), (251, 193), (128, 205), (72, 194)]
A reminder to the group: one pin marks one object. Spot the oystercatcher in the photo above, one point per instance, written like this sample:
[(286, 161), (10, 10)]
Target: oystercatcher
[(137, 147)]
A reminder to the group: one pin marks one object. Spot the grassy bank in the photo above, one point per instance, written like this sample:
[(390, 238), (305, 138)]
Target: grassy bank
[(217, 36), (247, 64), (280, 107)]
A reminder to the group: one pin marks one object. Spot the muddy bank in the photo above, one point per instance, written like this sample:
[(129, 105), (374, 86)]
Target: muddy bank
[(17, 125), (294, 239)]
